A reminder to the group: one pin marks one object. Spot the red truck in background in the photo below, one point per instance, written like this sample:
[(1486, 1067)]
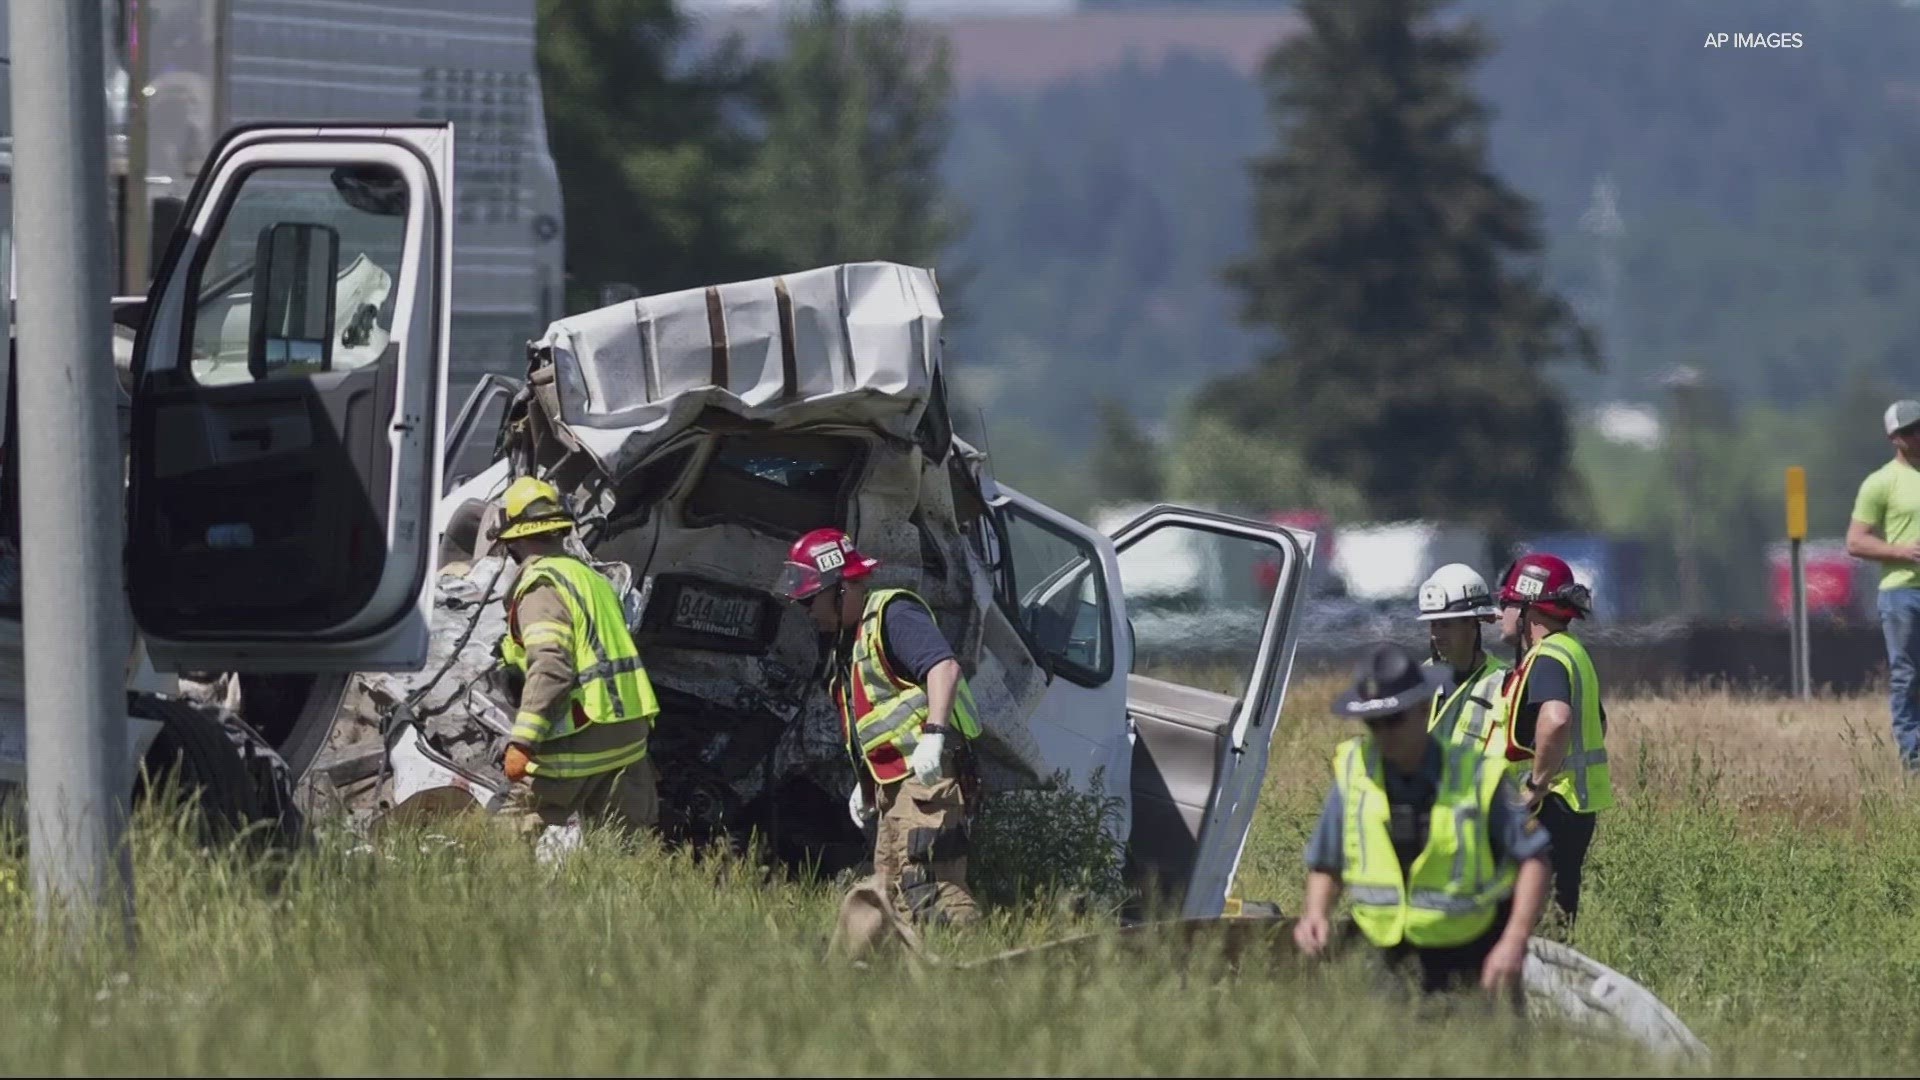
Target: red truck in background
[(1838, 585)]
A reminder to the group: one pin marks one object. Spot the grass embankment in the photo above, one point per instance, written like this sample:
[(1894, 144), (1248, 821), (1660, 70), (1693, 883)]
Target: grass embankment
[(1759, 875)]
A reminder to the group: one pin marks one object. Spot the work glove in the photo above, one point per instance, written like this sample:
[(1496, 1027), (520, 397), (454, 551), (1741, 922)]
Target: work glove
[(857, 807), (925, 761), (516, 762)]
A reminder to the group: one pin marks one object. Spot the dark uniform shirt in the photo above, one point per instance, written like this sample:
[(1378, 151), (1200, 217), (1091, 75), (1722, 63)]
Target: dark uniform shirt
[(1549, 680), (913, 640), (1411, 798)]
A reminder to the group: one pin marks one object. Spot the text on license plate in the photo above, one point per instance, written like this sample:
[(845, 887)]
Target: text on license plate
[(707, 613)]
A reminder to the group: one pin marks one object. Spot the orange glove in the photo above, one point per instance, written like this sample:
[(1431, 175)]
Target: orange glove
[(516, 762)]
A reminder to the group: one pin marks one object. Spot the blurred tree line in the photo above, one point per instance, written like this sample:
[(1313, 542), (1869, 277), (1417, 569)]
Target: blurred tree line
[(1756, 224), (686, 162)]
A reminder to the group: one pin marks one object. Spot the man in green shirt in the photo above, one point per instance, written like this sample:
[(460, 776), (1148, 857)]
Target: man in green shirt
[(1886, 529)]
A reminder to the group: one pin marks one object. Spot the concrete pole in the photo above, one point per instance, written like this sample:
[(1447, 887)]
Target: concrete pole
[(138, 219), (76, 633)]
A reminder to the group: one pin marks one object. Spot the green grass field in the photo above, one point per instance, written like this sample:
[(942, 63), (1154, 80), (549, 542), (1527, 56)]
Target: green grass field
[(1759, 876)]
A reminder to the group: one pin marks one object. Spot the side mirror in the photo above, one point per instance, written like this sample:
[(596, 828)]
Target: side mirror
[(295, 267)]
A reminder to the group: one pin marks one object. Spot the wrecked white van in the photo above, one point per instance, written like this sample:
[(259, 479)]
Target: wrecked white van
[(697, 434)]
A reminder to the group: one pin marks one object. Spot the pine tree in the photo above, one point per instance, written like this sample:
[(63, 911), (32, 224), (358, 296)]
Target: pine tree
[(855, 113), (647, 152), (1126, 463), (1400, 277)]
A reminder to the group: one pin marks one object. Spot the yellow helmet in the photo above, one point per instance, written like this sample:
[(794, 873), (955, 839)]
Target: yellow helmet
[(533, 506)]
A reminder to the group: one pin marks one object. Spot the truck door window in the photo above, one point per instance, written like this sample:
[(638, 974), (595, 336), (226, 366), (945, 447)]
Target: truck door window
[(1062, 597), (1198, 601), (366, 209)]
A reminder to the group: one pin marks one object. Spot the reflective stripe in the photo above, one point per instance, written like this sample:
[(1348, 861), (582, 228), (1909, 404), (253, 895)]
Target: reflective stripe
[(1359, 811), (1464, 819), (530, 726), (607, 669), (1577, 756), (1428, 900), (1374, 894), (565, 766)]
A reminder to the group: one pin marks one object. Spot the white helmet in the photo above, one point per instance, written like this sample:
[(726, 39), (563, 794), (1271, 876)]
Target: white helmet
[(1456, 591)]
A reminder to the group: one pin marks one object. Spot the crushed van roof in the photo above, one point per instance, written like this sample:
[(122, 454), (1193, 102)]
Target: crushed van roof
[(852, 343)]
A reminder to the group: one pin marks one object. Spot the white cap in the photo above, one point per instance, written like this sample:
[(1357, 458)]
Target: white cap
[(1456, 591)]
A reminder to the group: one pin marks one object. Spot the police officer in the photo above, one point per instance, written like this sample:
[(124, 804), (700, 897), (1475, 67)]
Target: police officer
[(1445, 870), (579, 740), (1454, 602), (907, 715)]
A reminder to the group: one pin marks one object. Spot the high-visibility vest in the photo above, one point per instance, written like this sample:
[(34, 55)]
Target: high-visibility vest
[(882, 711), (1475, 712), (610, 683), (1452, 891), (1584, 779)]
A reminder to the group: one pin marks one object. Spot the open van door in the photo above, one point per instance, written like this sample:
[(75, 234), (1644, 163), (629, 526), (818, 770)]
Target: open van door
[(287, 417), (1062, 581), (1213, 604)]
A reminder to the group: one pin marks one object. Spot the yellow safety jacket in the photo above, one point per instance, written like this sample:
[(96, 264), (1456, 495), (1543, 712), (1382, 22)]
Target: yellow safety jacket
[(610, 683), (881, 711), (1584, 779), (1453, 888), (1475, 712)]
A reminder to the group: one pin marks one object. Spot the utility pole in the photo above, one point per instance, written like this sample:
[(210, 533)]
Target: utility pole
[(74, 609), (137, 222), (1684, 428)]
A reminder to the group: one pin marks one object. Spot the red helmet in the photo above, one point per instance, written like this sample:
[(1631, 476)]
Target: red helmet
[(819, 560), (1546, 582)]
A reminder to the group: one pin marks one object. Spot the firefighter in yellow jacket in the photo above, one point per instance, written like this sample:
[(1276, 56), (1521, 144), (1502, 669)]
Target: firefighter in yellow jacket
[(1446, 871), (907, 716), (579, 741)]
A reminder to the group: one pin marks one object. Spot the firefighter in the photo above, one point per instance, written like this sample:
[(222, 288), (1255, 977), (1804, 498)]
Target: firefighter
[(1445, 870), (907, 716), (1453, 604), (579, 740), (1556, 724)]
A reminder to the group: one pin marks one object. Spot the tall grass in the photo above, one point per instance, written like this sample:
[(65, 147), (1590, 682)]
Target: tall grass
[(1758, 875)]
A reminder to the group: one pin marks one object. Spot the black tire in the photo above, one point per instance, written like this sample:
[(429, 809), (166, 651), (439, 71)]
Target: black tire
[(194, 751)]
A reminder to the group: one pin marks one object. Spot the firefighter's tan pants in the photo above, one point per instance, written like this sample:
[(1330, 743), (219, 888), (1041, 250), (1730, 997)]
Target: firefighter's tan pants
[(920, 849), (628, 799)]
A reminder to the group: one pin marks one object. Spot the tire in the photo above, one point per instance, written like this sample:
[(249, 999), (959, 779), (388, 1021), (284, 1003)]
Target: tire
[(193, 750)]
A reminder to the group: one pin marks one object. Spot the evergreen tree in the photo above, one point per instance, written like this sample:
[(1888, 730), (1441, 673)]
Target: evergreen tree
[(1126, 463), (1397, 272), (855, 113), (648, 157)]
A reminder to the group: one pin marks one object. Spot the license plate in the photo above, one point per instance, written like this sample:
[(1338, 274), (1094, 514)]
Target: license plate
[(705, 612)]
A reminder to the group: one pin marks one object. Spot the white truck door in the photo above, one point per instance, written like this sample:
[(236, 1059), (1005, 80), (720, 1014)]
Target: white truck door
[(288, 405), (1213, 602)]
